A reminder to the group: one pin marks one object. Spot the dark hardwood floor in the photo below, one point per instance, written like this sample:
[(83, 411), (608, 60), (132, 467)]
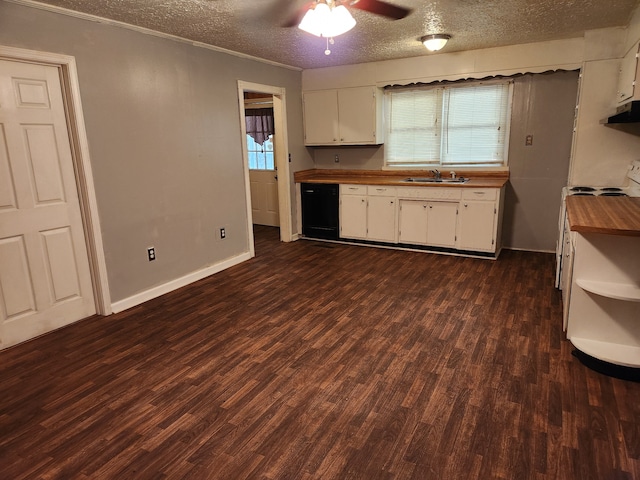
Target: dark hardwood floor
[(323, 361)]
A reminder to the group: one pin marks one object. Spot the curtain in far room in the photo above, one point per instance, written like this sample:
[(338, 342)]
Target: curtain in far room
[(259, 123)]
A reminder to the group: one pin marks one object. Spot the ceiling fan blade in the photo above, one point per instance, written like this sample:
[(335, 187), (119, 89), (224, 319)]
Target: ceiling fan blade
[(381, 8)]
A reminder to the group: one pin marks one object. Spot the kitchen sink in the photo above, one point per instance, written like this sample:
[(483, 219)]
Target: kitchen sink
[(435, 180)]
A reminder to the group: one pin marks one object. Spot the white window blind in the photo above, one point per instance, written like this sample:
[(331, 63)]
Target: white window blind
[(453, 125)]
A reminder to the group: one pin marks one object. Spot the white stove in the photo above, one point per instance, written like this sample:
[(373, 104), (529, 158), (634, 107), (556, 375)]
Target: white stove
[(630, 190)]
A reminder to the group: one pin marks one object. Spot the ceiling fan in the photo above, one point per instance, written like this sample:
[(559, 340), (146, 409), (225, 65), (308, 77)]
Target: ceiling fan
[(378, 7), (330, 18)]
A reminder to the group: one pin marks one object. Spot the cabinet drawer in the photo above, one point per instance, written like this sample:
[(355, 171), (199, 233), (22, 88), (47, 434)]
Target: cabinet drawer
[(381, 191), (353, 189), (429, 193), (479, 193)]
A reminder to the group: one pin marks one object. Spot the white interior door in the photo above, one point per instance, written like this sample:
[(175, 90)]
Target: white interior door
[(45, 281), (264, 197)]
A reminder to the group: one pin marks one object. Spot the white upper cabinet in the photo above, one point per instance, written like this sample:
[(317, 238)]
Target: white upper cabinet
[(346, 116), (321, 117), (628, 77)]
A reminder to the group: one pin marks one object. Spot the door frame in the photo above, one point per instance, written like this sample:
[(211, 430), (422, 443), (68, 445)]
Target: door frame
[(281, 152), (79, 145)]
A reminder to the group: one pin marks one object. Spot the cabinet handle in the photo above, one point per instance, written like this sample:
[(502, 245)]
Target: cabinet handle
[(465, 205)]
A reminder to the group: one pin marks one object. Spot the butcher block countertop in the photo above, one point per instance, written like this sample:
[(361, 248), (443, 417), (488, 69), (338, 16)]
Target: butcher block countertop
[(607, 215), (486, 179)]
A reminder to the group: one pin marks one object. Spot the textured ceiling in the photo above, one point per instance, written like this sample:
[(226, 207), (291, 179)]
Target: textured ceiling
[(253, 27)]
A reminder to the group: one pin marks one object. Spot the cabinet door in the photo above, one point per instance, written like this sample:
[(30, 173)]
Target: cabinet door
[(441, 224), (320, 117), (413, 222), (357, 115), (627, 78), (353, 216), (476, 226), (381, 219)]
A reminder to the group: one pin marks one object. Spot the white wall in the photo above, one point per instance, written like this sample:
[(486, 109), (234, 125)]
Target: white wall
[(534, 57), (601, 155)]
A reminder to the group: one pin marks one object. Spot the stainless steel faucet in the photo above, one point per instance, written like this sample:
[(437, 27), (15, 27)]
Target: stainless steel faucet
[(436, 174)]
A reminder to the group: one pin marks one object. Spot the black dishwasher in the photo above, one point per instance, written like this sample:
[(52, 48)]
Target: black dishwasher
[(320, 210)]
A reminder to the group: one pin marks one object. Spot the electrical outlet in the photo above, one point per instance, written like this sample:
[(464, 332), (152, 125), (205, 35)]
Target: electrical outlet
[(336, 158), (151, 253), (223, 233)]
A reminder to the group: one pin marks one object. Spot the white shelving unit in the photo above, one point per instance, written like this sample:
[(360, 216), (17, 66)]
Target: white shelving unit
[(604, 307), (619, 291)]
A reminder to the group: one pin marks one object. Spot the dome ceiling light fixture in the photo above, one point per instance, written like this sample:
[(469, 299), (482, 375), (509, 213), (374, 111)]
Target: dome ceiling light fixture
[(435, 42)]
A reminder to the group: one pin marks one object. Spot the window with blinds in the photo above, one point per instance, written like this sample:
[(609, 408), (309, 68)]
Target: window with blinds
[(448, 125)]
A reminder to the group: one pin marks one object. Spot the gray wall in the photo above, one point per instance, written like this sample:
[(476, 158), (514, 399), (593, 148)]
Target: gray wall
[(163, 126), (543, 106)]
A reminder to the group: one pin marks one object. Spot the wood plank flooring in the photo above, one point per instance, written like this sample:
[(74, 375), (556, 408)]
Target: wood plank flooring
[(323, 361)]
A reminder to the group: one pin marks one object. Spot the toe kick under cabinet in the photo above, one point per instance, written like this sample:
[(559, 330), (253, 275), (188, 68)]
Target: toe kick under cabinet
[(449, 219)]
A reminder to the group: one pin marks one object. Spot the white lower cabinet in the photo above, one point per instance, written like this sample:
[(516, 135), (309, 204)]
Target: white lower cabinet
[(412, 222), (368, 213), (477, 220), (353, 211), (428, 223), (456, 218), (441, 224), (381, 219)]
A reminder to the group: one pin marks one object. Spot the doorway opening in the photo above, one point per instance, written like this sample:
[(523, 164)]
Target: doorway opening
[(265, 156), (263, 172)]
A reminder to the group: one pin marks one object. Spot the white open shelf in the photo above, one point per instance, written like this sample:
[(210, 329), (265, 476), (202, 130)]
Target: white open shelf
[(628, 356), (619, 291)]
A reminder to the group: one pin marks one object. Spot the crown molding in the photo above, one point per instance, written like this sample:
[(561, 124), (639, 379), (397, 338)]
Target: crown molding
[(145, 31)]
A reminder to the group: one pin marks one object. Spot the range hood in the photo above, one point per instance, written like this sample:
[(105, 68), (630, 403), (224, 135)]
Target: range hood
[(626, 118)]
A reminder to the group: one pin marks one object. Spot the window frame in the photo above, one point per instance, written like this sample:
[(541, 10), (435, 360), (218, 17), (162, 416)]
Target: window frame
[(414, 165)]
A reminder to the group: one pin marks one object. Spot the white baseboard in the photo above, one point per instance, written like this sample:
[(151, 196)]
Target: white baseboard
[(154, 292)]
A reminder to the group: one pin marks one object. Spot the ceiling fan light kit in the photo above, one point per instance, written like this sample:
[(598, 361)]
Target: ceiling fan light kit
[(330, 18), (435, 42), (327, 20)]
